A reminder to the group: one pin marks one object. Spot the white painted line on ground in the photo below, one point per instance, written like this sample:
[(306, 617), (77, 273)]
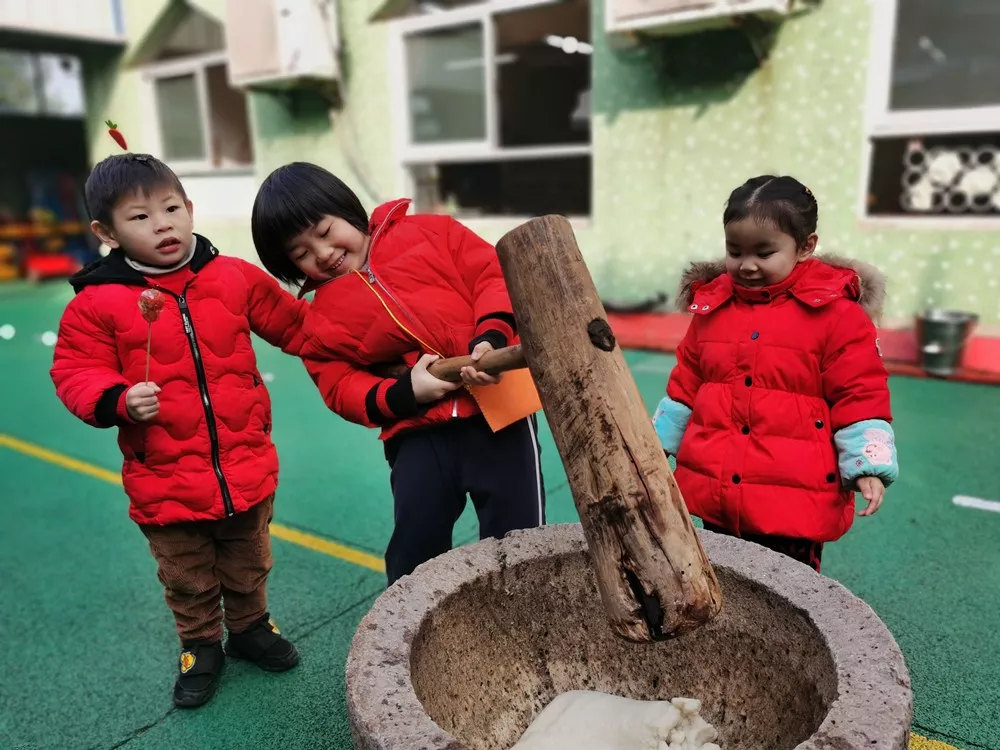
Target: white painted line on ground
[(975, 502)]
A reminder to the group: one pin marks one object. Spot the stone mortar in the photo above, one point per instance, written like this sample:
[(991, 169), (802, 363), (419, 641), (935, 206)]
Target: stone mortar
[(463, 654)]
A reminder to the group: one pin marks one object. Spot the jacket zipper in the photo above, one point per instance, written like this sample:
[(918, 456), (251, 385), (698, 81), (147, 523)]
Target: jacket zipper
[(372, 279), (206, 402)]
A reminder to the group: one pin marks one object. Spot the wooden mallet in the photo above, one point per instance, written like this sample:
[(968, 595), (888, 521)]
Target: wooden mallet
[(654, 577)]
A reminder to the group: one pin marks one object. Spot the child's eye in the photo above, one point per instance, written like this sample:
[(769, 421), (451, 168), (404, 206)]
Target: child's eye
[(766, 254), (327, 230), (171, 209), (138, 217)]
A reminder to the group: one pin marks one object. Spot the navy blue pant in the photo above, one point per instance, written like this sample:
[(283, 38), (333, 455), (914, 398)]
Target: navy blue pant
[(436, 468)]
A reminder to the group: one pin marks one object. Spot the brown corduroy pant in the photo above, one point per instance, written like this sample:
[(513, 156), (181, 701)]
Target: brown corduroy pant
[(203, 564)]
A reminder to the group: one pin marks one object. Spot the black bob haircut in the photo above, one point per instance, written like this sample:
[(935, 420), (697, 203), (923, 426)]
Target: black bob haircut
[(122, 176), (292, 199), (781, 201)]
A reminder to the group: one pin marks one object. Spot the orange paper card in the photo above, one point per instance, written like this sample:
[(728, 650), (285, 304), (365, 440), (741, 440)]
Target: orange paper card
[(512, 399)]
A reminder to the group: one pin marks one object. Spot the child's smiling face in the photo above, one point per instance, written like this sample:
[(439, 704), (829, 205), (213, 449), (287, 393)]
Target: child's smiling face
[(759, 254), (330, 248)]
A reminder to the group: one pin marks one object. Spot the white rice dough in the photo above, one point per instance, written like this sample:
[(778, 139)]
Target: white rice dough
[(588, 720)]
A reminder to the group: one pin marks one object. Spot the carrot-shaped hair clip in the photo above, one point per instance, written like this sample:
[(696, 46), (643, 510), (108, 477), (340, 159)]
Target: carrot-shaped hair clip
[(115, 133)]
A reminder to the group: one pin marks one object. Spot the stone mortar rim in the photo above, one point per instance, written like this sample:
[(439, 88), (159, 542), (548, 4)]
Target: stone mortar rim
[(394, 718)]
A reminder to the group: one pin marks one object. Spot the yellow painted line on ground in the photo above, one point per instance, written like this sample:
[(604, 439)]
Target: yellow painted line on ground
[(318, 544), (922, 743), (301, 538)]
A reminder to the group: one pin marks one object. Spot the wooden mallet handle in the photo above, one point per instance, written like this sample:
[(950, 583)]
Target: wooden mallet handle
[(450, 369)]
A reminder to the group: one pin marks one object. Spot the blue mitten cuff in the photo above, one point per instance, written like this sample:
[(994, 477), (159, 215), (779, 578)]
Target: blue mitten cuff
[(670, 420), (867, 449)]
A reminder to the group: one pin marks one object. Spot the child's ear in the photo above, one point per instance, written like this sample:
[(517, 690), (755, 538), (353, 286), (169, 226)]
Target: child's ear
[(809, 246), (190, 207), (104, 234)]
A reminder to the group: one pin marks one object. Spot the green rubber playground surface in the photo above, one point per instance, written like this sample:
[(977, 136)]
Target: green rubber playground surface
[(89, 653)]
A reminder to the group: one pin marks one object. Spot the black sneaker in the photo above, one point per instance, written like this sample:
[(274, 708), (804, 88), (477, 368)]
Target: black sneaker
[(200, 668), (263, 645)]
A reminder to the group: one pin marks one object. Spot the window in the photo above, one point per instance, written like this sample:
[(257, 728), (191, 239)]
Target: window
[(41, 84), (934, 115), (201, 121), (495, 104)]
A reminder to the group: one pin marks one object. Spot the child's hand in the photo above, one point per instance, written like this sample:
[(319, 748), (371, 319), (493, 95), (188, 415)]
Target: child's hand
[(426, 387), (873, 491), (472, 376), (141, 401)]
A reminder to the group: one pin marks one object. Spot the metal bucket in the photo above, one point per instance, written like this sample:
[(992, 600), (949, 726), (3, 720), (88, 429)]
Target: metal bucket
[(942, 336)]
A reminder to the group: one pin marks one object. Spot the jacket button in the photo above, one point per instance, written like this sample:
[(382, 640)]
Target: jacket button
[(819, 424), (746, 429), (748, 382), (831, 477), (736, 479), (755, 335)]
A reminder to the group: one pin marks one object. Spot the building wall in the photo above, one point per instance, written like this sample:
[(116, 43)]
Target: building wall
[(222, 202), (679, 123)]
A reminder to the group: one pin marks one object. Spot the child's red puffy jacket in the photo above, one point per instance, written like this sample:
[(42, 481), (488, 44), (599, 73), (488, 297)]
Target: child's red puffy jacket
[(208, 453), (770, 375), (426, 274)]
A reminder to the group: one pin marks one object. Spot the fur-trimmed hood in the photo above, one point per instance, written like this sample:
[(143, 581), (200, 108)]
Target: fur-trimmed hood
[(871, 281)]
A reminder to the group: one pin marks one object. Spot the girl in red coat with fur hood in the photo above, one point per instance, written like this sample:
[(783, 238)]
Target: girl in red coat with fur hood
[(778, 409)]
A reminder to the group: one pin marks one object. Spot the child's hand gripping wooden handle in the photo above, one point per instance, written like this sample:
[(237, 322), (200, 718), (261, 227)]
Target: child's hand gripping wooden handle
[(492, 363), (450, 369)]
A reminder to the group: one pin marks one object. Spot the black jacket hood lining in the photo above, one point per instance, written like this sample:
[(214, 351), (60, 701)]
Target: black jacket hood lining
[(112, 269)]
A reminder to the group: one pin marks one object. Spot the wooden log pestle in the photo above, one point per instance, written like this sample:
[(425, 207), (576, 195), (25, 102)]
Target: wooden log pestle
[(654, 577)]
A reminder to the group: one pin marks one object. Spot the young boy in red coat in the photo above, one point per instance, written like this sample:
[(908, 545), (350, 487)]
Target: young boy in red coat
[(200, 470), (399, 289), (778, 409)]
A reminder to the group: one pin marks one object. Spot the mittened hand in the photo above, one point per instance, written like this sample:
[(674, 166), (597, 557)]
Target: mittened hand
[(873, 491)]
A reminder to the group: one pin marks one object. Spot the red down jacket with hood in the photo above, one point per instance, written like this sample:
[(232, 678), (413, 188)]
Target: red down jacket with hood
[(208, 453), (429, 274), (770, 375)]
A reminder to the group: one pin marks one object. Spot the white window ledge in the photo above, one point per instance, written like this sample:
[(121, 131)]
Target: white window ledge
[(963, 223), (183, 171)]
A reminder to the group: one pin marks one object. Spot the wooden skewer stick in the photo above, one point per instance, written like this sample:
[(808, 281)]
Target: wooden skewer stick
[(654, 577), (149, 346)]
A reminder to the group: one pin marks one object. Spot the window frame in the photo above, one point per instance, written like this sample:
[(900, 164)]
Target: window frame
[(197, 66), (882, 122), (488, 148)]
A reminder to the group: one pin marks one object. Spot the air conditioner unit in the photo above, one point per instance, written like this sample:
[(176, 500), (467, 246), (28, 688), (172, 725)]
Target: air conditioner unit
[(674, 17), (282, 44)]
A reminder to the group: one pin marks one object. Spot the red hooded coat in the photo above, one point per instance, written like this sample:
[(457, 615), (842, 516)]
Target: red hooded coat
[(208, 454), (770, 375), (432, 286)]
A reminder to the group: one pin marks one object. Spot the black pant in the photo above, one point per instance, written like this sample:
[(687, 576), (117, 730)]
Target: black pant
[(805, 551), (433, 470)]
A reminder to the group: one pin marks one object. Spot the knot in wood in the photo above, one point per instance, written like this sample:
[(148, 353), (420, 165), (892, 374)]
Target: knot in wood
[(601, 335)]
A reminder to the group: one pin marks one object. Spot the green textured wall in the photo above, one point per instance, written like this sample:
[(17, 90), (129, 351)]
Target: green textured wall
[(357, 143), (679, 123)]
